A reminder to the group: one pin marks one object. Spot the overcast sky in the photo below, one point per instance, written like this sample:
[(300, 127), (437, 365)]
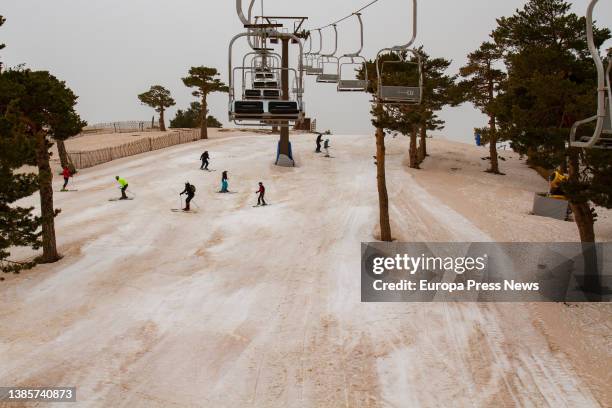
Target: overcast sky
[(109, 51)]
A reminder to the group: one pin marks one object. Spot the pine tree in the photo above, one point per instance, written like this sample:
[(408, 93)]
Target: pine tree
[(190, 118), (482, 85), (44, 108), (160, 99), (18, 226), (551, 84), (203, 79)]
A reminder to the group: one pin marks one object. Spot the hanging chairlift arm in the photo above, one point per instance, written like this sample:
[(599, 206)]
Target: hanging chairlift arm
[(358, 53), (332, 54), (600, 117)]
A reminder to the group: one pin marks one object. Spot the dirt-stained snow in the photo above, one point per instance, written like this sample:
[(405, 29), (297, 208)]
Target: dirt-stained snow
[(236, 306)]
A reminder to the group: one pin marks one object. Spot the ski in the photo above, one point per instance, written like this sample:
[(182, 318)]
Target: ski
[(267, 205), (119, 199), (66, 191), (178, 210)]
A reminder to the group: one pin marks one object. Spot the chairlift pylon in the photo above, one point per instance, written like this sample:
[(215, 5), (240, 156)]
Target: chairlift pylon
[(400, 94), (353, 85), (602, 135)]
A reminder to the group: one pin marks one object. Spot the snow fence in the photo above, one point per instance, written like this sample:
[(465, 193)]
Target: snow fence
[(90, 158)]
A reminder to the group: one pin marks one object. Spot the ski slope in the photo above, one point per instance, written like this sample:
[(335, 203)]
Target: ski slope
[(236, 306)]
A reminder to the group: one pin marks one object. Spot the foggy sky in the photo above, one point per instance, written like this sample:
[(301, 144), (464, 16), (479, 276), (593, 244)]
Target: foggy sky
[(109, 51)]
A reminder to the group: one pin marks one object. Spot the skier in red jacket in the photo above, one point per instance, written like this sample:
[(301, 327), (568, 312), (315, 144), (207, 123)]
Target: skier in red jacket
[(67, 174), (261, 192)]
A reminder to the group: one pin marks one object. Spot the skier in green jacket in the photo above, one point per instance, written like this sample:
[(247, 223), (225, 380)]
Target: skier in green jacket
[(123, 185)]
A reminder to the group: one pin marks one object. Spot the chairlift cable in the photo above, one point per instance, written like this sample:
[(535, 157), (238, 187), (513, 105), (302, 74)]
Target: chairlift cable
[(347, 17)]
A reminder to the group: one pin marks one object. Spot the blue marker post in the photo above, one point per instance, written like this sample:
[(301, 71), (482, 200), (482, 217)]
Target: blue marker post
[(478, 139)]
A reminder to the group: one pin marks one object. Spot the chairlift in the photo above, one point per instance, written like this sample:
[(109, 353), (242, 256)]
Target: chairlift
[(353, 85), (315, 69), (602, 135), (400, 94), (330, 59), (262, 64), (264, 103), (306, 63)]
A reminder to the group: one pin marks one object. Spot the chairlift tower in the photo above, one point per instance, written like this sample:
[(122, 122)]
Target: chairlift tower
[(283, 111)]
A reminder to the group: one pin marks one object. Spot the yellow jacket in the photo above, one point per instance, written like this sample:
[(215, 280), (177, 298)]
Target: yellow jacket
[(557, 179)]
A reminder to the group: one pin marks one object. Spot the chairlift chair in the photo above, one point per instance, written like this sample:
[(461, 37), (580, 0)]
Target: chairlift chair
[(330, 59), (315, 69), (602, 136), (353, 85), (400, 94), (264, 104)]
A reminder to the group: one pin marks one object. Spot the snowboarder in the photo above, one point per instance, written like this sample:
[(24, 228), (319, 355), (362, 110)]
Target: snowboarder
[(67, 174), (262, 193), (204, 157), (326, 147), (123, 185), (224, 183), (190, 191), (319, 140)]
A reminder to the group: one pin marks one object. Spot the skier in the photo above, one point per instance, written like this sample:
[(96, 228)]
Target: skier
[(224, 183), (67, 174), (319, 140), (326, 146), (190, 191), (262, 193), (123, 185), (204, 157)]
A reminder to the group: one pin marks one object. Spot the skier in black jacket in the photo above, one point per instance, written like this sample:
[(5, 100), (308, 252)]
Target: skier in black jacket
[(190, 191), (319, 140), (204, 157)]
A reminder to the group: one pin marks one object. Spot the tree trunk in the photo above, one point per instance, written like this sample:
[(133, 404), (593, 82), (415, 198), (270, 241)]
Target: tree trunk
[(583, 214), (45, 179), (204, 120), (414, 153), (493, 146), (422, 144), (381, 178), (162, 124), (63, 155)]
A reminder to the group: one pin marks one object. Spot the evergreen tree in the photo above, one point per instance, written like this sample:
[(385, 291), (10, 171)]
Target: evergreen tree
[(40, 107), (551, 84), (203, 79), (75, 125), (482, 85), (18, 226), (190, 118), (160, 99)]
